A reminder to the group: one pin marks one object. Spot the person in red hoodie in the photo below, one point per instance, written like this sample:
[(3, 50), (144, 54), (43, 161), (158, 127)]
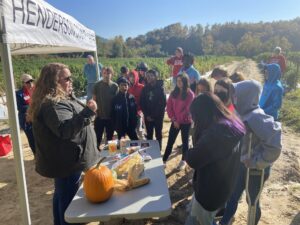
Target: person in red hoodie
[(176, 63), (136, 90), (178, 109)]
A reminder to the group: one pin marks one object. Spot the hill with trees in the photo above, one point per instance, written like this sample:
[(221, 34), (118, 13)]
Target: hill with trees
[(242, 39)]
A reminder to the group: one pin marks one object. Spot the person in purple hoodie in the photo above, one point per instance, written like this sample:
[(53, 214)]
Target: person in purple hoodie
[(178, 109)]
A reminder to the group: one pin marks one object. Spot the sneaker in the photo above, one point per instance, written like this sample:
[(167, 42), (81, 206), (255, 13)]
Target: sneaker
[(165, 164), (181, 165)]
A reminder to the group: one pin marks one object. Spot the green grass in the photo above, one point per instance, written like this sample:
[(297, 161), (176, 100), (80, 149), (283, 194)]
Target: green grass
[(290, 113), (33, 66)]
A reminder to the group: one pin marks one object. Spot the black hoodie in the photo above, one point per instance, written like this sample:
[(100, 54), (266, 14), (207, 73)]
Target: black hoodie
[(124, 111), (215, 159), (153, 100)]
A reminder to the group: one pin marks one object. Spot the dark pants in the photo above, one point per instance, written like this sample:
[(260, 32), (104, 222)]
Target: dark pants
[(29, 135), (232, 204), (156, 124), (173, 133), (130, 132), (64, 191), (99, 126)]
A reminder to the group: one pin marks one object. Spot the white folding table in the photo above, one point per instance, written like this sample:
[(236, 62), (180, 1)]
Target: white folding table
[(151, 200)]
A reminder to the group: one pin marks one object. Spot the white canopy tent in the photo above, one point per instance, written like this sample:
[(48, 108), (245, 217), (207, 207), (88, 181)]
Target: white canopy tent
[(35, 27)]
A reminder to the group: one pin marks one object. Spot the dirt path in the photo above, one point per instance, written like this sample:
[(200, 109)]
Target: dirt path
[(280, 197)]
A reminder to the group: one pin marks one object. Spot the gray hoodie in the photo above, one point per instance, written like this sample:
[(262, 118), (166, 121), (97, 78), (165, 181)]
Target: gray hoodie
[(266, 133)]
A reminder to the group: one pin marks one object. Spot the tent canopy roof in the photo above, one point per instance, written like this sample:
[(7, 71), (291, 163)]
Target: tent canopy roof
[(35, 27)]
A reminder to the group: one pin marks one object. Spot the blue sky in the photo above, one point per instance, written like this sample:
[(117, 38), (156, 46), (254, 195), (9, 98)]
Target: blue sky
[(130, 18)]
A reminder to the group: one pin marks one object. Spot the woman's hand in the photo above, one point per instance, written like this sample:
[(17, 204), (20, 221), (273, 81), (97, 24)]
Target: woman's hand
[(92, 105)]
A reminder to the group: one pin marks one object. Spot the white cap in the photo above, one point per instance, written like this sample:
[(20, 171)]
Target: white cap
[(26, 77), (277, 49)]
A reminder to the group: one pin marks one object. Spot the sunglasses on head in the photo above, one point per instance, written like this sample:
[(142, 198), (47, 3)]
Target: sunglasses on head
[(28, 82)]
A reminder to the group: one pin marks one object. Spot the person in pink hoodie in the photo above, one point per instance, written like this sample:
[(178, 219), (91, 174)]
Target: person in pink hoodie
[(136, 90), (178, 109)]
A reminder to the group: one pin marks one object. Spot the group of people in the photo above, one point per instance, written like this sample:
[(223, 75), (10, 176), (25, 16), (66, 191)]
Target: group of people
[(68, 134)]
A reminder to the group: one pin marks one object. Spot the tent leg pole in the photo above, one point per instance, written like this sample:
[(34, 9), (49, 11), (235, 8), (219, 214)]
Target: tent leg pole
[(97, 63), (15, 134)]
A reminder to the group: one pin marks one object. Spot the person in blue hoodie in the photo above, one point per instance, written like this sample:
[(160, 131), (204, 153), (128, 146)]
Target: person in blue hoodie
[(271, 97), (265, 143)]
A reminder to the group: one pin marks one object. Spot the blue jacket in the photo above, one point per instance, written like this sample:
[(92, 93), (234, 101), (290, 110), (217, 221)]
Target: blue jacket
[(90, 72), (193, 74), (271, 97)]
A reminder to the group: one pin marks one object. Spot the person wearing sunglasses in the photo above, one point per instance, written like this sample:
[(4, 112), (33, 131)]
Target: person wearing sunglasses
[(64, 136), (23, 96)]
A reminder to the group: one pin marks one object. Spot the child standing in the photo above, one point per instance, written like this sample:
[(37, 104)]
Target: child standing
[(215, 157), (189, 69), (271, 97), (178, 109), (176, 63), (153, 103), (265, 143), (124, 111), (136, 90)]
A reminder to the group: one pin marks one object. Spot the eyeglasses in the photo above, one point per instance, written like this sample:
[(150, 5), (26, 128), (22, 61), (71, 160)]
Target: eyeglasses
[(28, 82), (67, 79)]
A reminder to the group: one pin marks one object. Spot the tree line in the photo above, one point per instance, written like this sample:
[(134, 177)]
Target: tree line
[(232, 38)]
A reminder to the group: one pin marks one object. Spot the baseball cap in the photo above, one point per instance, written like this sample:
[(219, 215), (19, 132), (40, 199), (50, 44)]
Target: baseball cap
[(26, 77), (122, 80)]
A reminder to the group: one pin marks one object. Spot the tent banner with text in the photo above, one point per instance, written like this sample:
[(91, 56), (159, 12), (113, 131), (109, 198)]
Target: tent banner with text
[(35, 27)]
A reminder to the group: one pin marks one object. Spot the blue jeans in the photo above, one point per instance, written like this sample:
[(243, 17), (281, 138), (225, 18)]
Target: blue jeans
[(89, 91), (30, 137), (64, 191), (198, 215), (232, 203)]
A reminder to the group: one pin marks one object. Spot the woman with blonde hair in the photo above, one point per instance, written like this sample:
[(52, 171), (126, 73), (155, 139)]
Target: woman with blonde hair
[(65, 140)]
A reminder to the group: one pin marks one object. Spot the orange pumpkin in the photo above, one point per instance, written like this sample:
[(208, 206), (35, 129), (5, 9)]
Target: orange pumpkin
[(98, 183)]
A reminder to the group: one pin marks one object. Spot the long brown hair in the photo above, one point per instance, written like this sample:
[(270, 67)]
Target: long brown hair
[(224, 96), (185, 81), (204, 82), (207, 109), (47, 88)]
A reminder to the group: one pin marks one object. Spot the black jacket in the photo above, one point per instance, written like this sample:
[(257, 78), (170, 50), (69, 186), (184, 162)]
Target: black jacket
[(124, 112), (153, 100), (65, 140), (215, 159)]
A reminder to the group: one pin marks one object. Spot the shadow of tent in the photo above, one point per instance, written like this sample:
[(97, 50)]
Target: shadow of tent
[(296, 220)]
